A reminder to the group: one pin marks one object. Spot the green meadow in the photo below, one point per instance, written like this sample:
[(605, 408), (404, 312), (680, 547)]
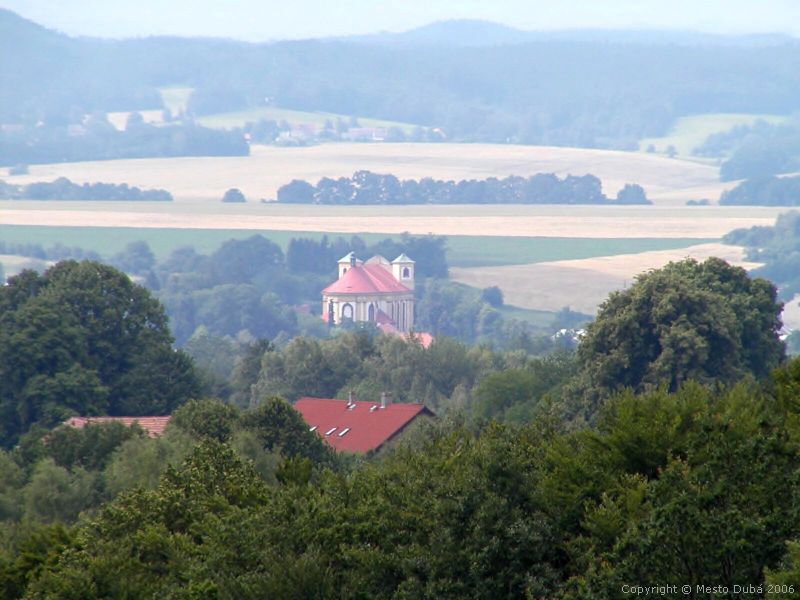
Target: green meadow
[(690, 132), (463, 251)]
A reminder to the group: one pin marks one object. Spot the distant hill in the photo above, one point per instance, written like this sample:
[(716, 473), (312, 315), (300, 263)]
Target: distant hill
[(471, 32), (473, 80)]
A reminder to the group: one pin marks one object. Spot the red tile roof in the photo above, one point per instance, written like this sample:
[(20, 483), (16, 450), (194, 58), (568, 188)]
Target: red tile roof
[(366, 279), (362, 428), (154, 426)]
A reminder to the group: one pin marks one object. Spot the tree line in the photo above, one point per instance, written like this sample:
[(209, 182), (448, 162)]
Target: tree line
[(64, 189), (97, 139), (365, 187)]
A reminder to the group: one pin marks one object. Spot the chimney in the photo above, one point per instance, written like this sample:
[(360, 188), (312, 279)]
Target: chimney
[(385, 399), (352, 259), (350, 398)]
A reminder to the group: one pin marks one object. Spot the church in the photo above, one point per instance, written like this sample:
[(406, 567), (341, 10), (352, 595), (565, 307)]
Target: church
[(375, 291)]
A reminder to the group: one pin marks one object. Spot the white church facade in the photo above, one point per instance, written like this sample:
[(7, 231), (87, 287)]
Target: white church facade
[(376, 291)]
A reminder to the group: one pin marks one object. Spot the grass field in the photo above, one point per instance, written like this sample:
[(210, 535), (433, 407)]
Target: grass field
[(690, 132), (463, 251), (203, 179), (582, 284)]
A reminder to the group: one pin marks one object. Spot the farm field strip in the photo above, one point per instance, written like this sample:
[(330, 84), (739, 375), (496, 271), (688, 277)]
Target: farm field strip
[(592, 225), (583, 284), (202, 179)]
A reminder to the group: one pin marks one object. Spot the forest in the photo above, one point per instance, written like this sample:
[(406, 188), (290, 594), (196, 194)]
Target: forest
[(576, 92), (764, 191), (365, 187), (97, 139), (563, 476)]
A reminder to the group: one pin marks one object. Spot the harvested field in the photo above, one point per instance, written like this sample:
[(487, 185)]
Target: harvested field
[(483, 220), (203, 179), (582, 284)]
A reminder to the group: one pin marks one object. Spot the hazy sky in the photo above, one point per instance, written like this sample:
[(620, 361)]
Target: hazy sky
[(280, 19)]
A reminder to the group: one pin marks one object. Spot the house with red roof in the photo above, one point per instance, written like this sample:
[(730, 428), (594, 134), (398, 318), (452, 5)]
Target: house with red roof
[(355, 425), (375, 291), (154, 426)]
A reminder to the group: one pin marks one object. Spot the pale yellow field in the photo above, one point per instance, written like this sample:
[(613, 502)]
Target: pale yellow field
[(524, 221), (582, 284), (197, 180)]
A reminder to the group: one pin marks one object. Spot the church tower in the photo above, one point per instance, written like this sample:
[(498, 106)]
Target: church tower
[(403, 270)]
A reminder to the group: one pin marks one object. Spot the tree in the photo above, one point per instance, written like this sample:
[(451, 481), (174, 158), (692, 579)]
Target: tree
[(136, 259), (208, 418), (234, 195), (84, 339), (632, 193), (493, 296), (704, 321), (296, 192), (280, 427)]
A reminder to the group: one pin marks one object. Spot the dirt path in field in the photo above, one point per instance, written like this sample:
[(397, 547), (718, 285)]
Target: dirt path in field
[(582, 284)]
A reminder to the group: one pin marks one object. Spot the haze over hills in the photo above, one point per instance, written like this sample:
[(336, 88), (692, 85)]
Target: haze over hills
[(474, 32), (567, 88)]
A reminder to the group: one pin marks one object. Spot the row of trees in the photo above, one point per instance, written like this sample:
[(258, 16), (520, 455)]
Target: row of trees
[(98, 139), (64, 189), (365, 187)]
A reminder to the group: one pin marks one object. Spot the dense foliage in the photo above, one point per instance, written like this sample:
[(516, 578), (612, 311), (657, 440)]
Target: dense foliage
[(83, 339), (63, 189), (694, 486), (764, 191), (365, 187), (707, 322), (501, 496)]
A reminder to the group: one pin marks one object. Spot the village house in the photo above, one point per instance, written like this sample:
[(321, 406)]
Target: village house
[(358, 426), (154, 426)]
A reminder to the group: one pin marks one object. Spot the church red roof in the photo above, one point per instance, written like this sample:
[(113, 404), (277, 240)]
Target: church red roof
[(366, 279), (364, 427), (154, 426)]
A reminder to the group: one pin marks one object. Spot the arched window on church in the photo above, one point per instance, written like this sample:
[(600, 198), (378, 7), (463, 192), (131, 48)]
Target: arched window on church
[(371, 312), (406, 273), (347, 311)]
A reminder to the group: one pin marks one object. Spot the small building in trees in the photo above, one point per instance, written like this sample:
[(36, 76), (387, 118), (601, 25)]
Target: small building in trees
[(358, 426), (376, 291), (154, 426)]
